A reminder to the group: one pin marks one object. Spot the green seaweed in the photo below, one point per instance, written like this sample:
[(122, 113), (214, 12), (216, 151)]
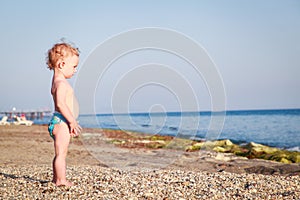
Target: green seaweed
[(251, 150)]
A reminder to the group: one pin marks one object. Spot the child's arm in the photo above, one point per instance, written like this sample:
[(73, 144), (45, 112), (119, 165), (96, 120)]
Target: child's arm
[(60, 96)]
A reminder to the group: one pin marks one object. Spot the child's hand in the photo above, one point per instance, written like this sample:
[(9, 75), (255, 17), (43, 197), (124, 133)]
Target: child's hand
[(75, 129)]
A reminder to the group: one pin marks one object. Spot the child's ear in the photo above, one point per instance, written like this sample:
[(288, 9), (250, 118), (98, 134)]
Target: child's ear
[(61, 64)]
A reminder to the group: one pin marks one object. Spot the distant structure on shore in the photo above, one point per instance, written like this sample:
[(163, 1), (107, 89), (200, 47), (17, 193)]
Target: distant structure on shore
[(30, 114)]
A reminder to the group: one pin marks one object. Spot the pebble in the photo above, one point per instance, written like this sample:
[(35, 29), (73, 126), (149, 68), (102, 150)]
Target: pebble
[(95, 182)]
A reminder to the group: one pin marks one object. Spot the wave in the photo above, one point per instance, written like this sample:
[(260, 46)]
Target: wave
[(297, 148)]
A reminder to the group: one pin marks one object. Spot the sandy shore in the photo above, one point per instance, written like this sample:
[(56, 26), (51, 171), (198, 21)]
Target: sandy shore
[(103, 170)]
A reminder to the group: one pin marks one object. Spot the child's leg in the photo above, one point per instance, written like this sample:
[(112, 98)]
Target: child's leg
[(61, 143)]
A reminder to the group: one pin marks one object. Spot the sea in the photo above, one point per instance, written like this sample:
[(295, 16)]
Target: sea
[(276, 128)]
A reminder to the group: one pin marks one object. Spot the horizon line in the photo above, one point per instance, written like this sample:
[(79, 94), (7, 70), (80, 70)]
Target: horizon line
[(203, 111)]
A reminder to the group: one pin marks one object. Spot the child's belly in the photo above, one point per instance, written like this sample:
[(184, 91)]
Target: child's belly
[(73, 106)]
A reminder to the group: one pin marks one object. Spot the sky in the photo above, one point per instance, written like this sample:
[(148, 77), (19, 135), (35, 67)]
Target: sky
[(255, 46)]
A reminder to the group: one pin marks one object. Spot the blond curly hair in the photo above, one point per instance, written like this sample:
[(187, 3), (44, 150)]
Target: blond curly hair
[(58, 52)]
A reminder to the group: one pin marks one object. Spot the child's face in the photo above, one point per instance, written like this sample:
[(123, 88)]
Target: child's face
[(69, 66)]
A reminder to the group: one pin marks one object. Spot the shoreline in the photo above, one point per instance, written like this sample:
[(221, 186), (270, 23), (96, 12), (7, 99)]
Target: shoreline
[(15, 140), (251, 150), (26, 170), (276, 127)]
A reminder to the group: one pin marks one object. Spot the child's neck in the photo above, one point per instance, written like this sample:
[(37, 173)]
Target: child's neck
[(59, 74)]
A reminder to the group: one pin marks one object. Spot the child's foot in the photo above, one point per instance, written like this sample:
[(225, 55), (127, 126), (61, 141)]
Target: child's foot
[(63, 183)]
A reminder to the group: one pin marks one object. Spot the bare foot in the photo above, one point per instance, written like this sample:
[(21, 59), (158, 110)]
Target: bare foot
[(64, 183)]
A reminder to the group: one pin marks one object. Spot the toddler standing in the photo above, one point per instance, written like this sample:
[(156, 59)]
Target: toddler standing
[(63, 59)]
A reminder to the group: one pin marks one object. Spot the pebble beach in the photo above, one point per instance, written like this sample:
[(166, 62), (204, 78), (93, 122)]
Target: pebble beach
[(90, 182), (26, 173)]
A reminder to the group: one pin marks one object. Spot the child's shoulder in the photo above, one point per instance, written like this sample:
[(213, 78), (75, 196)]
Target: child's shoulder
[(60, 84)]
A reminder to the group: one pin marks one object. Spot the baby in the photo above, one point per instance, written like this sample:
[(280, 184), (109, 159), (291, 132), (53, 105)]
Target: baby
[(63, 59)]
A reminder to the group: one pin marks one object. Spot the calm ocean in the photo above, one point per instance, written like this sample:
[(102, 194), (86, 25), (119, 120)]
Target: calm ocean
[(278, 128)]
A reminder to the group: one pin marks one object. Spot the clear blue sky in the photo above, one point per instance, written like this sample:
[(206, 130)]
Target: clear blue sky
[(255, 45)]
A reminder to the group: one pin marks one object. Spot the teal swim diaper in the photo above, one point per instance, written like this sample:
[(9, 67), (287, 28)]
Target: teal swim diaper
[(56, 119)]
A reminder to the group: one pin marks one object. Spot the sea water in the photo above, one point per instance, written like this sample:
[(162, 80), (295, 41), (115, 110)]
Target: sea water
[(278, 128)]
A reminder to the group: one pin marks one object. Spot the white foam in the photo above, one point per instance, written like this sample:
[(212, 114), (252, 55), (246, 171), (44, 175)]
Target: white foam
[(294, 149)]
